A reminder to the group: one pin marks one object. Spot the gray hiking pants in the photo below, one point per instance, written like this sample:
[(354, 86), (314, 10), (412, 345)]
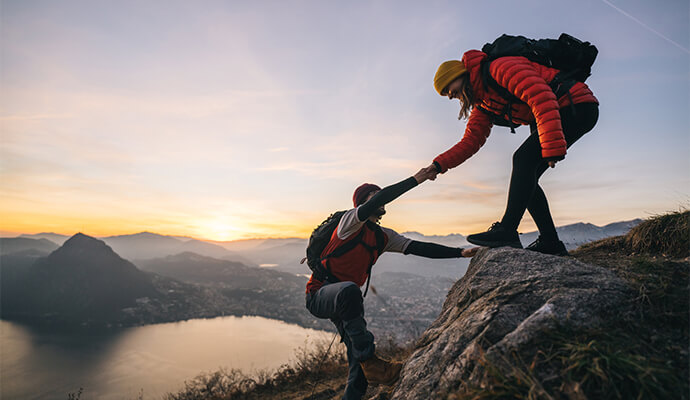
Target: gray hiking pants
[(342, 303)]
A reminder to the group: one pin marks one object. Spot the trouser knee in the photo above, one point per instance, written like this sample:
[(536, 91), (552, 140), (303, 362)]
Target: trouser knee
[(349, 303)]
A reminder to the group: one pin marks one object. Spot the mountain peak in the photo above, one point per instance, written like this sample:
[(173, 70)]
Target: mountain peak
[(81, 239), (84, 247)]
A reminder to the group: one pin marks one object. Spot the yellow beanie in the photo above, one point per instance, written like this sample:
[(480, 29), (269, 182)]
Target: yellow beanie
[(447, 73)]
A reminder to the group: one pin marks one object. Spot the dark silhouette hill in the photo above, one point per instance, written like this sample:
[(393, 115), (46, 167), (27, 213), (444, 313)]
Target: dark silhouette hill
[(82, 280)]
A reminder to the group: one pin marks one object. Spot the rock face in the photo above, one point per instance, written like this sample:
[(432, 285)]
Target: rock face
[(507, 299)]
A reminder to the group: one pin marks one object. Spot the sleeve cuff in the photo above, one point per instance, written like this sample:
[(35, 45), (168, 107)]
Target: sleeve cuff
[(554, 158), (438, 167)]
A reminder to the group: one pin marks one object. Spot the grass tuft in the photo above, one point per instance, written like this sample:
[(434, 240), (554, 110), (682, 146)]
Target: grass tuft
[(667, 235)]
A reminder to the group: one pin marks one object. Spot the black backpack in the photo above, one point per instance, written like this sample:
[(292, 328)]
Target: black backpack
[(320, 238), (573, 57)]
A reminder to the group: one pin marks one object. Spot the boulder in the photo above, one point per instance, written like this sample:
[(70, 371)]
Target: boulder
[(508, 299)]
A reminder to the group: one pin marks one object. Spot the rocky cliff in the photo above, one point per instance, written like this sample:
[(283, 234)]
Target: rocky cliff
[(501, 309)]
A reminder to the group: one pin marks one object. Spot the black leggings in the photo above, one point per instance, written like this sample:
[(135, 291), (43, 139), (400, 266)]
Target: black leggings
[(528, 167)]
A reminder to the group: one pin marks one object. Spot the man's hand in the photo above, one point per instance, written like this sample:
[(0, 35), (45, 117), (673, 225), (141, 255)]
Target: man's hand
[(552, 164), (470, 252), (426, 173)]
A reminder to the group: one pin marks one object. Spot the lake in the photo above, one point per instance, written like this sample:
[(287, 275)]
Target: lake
[(156, 359)]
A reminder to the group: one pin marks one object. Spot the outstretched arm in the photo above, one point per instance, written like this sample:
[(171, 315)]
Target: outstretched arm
[(392, 192), (434, 250), (477, 131)]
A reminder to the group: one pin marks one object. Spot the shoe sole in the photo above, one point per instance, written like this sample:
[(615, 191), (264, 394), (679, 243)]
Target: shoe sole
[(486, 243)]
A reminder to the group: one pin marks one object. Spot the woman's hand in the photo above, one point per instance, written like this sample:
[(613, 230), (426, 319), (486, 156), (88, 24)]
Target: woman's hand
[(470, 252), (426, 173)]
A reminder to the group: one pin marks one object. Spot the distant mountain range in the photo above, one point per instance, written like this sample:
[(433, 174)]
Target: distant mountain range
[(21, 244), (575, 235), (53, 237), (138, 246), (146, 245), (85, 282), (89, 281), (285, 254)]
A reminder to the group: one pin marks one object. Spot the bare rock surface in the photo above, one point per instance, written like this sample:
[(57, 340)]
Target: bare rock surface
[(507, 300)]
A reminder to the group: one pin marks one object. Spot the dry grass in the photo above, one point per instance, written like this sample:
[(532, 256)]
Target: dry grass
[(316, 373), (604, 364), (666, 235), (315, 363)]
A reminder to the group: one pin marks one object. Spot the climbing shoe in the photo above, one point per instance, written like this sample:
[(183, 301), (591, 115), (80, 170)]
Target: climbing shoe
[(496, 236), (381, 372), (546, 246)]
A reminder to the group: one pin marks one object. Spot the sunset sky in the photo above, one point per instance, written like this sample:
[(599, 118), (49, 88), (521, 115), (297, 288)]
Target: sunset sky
[(235, 119)]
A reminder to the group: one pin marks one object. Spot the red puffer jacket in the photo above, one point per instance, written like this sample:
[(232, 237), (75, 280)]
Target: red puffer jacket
[(528, 81)]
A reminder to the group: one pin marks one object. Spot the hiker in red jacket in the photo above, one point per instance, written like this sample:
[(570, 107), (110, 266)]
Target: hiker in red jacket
[(556, 122), (339, 297)]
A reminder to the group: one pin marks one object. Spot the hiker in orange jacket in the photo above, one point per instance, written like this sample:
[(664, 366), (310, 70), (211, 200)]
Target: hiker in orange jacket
[(339, 297), (555, 122)]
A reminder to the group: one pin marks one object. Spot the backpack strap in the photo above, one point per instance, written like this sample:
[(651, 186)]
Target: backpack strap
[(509, 97), (380, 244), (560, 85), (351, 244), (339, 251)]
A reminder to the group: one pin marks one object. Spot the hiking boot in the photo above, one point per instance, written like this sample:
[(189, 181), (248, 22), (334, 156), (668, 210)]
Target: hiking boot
[(496, 236), (381, 372), (546, 246)]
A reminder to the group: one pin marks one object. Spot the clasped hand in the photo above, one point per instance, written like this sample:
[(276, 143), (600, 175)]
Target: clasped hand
[(425, 173)]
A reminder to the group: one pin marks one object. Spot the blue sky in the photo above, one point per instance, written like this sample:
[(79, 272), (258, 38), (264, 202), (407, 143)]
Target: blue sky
[(224, 119)]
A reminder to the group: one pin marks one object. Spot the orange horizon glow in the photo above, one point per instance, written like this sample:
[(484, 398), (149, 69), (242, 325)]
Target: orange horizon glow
[(13, 226), (66, 226)]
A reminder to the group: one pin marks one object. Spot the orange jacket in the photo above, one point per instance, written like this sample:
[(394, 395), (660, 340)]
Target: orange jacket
[(352, 266), (528, 81)]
